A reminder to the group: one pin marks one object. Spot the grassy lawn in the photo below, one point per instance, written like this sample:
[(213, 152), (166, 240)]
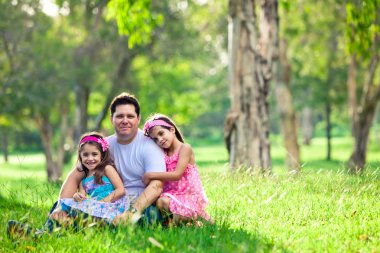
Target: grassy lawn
[(323, 209)]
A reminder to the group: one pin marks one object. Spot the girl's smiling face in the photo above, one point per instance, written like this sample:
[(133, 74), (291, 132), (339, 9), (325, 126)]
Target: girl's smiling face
[(162, 136), (90, 156)]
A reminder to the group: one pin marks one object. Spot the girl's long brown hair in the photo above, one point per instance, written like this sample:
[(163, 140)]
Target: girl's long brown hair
[(106, 157)]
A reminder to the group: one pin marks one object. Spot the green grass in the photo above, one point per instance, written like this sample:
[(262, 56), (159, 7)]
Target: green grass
[(323, 209)]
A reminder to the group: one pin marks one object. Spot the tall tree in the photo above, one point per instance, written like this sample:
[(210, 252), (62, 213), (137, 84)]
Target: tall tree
[(286, 109), (253, 43), (48, 95), (14, 31), (88, 16), (363, 33), (317, 64), (38, 92)]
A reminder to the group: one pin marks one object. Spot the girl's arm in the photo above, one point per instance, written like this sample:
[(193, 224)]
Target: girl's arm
[(81, 189), (111, 173), (81, 194), (70, 186), (185, 156)]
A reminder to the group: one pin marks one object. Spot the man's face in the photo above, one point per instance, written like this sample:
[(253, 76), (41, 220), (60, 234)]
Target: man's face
[(125, 121)]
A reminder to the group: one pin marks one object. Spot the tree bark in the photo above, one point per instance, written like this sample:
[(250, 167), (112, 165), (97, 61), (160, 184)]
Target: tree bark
[(53, 172), (363, 125), (307, 125), (351, 87), (63, 135), (286, 110), (252, 45), (329, 83), (54, 160), (364, 112), (82, 95)]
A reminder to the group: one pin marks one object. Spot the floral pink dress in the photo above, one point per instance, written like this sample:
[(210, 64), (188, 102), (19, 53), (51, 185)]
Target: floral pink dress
[(187, 197)]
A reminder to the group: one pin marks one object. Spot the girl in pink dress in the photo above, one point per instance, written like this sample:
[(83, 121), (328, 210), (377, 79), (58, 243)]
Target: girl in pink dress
[(183, 194)]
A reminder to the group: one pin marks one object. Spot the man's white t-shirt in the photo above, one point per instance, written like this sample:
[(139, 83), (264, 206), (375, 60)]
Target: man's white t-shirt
[(133, 160)]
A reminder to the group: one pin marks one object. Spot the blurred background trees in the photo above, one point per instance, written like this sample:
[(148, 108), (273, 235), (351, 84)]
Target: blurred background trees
[(61, 66)]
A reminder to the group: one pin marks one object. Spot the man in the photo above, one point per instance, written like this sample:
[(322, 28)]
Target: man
[(134, 154)]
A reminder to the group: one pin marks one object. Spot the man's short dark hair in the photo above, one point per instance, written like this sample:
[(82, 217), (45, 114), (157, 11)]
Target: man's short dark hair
[(125, 99)]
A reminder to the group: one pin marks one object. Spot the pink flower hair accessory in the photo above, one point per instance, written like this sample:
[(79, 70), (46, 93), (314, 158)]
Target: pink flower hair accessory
[(103, 142), (159, 122)]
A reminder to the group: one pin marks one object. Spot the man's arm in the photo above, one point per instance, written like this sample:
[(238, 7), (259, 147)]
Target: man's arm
[(151, 193), (70, 185)]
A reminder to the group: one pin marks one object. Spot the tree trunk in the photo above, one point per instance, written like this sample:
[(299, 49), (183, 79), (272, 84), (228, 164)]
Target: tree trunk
[(329, 83), (364, 113), (286, 110), (328, 128), (5, 145), (251, 56), (307, 125), (53, 172), (64, 133), (351, 87), (363, 126), (82, 95)]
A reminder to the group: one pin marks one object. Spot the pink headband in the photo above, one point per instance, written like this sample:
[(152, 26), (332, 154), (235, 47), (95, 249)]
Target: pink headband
[(102, 141), (158, 122)]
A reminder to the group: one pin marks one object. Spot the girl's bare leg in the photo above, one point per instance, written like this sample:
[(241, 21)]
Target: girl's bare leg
[(163, 204)]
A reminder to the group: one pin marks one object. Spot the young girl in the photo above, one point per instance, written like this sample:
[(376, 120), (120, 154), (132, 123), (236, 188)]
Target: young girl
[(183, 194), (102, 184)]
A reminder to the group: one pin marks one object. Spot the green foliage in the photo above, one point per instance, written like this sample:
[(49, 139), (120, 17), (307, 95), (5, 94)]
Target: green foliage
[(135, 19), (311, 51), (181, 74), (321, 210), (177, 65), (362, 26)]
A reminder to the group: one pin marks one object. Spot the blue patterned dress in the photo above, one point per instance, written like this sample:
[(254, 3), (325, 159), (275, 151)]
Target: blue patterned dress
[(92, 205)]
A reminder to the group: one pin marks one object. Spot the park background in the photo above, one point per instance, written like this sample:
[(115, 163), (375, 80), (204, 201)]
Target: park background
[(63, 61)]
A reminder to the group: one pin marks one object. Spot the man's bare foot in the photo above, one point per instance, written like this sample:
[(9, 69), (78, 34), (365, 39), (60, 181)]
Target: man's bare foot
[(126, 218), (122, 219)]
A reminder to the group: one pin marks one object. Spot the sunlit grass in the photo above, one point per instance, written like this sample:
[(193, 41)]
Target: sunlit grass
[(323, 209)]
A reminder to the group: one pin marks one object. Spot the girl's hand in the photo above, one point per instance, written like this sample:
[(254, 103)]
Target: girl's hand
[(79, 197), (146, 178)]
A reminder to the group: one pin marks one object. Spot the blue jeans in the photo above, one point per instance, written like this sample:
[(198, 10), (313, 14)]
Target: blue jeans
[(151, 216)]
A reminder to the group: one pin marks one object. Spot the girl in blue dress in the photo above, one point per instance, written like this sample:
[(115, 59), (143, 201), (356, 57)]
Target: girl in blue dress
[(101, 193)]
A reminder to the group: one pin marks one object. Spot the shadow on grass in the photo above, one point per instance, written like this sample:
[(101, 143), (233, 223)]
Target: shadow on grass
[(16, 209), (12, 203), (209, 238), (220, 239)]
